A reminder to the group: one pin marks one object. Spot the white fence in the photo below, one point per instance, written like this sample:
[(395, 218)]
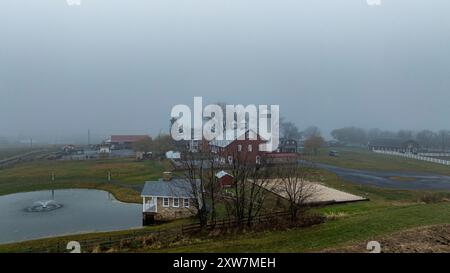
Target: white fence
[(413, 156), (435, 154)]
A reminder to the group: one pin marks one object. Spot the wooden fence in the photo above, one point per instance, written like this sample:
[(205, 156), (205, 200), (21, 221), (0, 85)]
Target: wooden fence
[(137, 238), (231, 222), (134, 239)]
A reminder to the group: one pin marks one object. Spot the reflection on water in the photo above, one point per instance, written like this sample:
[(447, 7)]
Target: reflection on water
[(63, 212)]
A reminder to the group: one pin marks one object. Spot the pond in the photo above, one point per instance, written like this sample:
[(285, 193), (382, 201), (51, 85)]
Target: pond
[(24, 216)]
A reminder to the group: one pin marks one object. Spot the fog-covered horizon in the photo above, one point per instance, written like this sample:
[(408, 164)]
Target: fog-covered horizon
[(118, 67)]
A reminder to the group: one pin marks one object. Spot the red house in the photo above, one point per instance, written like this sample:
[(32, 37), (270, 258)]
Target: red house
[(245, 149)]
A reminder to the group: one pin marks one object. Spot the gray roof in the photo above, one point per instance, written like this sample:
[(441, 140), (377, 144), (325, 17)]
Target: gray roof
[(220, 143), (172, 188)]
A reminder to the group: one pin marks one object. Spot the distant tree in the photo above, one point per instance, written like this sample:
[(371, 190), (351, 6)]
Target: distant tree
[(144, 145), (351, 135), (444, 138), (313, 143), (162, 143), (388, 134), (289, 130), (427, 138), (311, 131), (373, 133), (405, 135)]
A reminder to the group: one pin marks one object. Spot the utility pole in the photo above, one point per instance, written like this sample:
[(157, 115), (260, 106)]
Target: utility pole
[(31, 143), (89, 137)]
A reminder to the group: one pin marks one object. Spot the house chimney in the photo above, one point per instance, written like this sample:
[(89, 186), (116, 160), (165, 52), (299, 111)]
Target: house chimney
[(167, 176)]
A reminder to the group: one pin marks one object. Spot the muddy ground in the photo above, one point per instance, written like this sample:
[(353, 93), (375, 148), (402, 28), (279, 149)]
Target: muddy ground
[(431, 239)]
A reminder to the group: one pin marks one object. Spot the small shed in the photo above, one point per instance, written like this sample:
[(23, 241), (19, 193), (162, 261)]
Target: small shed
[(225, 179)]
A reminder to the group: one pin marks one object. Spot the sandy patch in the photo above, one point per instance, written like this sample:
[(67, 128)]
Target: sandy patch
[(321, 193)]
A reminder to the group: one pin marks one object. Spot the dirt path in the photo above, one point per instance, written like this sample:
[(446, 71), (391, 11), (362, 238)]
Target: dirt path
[(430, 239)]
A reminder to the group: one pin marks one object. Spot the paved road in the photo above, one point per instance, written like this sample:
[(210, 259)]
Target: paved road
[(416, 181)]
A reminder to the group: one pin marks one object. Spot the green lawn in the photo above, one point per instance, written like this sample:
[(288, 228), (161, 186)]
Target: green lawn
[(356, 158), (360, 225), (36, 175)]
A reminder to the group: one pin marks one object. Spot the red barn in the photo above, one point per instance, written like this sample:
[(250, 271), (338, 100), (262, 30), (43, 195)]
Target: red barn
[(245, 150), (125, 141), (225, 179)]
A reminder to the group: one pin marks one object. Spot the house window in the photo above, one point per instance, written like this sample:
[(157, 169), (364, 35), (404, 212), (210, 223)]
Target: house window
[(258, 159), (230, 159), (239, 148), (250, 148), (176, 202), (165, 202), (186, 202)]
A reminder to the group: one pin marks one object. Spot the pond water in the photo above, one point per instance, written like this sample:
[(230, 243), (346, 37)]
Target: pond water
[(78, 211)]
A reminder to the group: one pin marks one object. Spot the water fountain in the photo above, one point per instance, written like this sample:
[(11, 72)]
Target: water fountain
[(45, 205)]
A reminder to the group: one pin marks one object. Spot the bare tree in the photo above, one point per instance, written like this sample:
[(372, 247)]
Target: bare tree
[(212, 183), (289, 130), (311, 131), (294, 184), (259, 189), (313, 143), (250, 189), (194, 168), (143, 145), (161, 144)]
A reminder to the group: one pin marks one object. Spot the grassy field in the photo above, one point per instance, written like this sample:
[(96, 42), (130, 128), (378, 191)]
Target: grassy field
[(356, 224), (355, 158), (388, 210), (36, 175)]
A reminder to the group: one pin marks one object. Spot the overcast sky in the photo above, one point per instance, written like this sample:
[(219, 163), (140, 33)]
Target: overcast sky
[(118, 66)]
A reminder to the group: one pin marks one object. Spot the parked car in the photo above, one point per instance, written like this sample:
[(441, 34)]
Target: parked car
[(333, 153)]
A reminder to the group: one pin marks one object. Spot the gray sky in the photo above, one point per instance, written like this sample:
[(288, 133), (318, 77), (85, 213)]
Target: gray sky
[(118, 66)]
